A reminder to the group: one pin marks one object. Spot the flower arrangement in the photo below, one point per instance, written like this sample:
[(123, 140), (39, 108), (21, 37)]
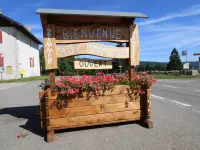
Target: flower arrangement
[(72, 86), (93, 85)]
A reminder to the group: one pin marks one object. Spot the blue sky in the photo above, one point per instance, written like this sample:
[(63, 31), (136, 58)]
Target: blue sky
[(171, 23)]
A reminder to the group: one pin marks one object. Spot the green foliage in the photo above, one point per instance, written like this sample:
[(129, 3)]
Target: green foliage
[(66, 65), (174, 61), (42, 62)]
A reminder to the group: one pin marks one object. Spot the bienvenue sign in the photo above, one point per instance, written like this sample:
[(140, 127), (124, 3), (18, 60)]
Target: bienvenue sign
[(93, 32), (92, 64)]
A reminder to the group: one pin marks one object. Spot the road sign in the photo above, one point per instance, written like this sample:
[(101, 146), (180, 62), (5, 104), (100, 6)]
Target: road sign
[(92, 64), (2, 69), (184, 53), (186, 66)]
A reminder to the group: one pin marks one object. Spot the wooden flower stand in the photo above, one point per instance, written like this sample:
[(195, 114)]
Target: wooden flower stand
[(120, 105)]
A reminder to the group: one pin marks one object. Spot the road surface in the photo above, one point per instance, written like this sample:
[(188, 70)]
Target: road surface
[(176, 117)]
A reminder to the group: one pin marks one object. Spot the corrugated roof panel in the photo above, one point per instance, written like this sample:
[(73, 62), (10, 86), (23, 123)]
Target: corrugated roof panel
[(91, 13)]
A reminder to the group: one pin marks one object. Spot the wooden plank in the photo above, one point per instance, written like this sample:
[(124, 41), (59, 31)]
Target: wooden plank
[(78, 102), (85, 41), (41, 95), (92, 49), (134, 45), (42, 105), (42, 114), (96, 109), (87, 125), (89, 64), (94, 119), (50, 47), (43, 124), (92, 32), (63, 19)]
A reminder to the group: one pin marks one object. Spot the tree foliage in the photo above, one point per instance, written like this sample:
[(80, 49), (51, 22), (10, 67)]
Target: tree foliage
[(174, 61)]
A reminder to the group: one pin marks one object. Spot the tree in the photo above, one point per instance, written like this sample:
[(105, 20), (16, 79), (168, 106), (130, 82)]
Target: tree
[(42, 61), (141, 68), (158, 67), (174, 61), (66, 65), (147, 67)]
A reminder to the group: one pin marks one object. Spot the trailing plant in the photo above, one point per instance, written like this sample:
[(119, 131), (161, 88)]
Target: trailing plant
[(45, 84), (71, 86)]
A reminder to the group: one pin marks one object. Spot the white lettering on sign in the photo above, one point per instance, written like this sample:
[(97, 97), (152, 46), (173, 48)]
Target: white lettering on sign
[(49, 47), (92, 64), (76, 34), (92, 49)]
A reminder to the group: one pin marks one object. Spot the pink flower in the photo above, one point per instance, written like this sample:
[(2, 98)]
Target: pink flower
[(19, 135)]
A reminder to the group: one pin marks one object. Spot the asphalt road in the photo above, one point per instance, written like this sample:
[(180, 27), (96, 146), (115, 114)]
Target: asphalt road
[(176, 117)]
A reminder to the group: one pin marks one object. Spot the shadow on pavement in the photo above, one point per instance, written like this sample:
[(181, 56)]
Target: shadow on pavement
[(27, 112), (31, 113)]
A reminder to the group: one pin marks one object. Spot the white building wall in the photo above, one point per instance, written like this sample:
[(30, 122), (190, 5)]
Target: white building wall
[(27, 49), (7, 47), (19, 49)]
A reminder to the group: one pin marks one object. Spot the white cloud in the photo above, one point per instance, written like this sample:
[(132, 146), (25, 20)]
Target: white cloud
[(179, 36), (37, 4), (195, 44), (191, 11)]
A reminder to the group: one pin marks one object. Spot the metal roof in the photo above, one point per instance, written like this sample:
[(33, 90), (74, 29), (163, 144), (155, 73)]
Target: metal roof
[(91, 13), (20, 27)]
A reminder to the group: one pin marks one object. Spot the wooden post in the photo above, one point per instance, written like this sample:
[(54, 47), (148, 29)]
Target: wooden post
[(145, 105), (134, 48), (131, 53), (131, 68), (52, 78)]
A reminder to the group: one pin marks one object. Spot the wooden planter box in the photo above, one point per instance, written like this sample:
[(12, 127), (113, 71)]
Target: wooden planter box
[(120, 105)]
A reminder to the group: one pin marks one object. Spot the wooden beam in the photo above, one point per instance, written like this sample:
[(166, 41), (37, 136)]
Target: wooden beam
[(63, 19), (52, 78), (50, 47), (94, 49), (196, 54)]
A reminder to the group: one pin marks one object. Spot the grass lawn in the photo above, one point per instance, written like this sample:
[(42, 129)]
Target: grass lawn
[(155, 75), (25, 79), (175, 76)]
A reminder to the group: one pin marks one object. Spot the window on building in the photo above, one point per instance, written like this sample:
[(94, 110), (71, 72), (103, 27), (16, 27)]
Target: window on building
[(1, 37), (1, 60), (32, 62), (9, 69)]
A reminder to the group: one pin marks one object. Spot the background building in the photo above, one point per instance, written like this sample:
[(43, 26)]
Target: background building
[(19, 50)]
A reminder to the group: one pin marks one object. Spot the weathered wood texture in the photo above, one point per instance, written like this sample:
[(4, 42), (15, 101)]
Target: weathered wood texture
[(89, 64), (134, 45), (120, 105), (50, 47), (76, 20), (92, 49), (93, 32), (95, 109), (94, 119)]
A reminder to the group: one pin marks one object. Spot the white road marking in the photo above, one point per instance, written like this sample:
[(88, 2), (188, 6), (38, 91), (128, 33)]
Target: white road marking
[(3, 88), (197, 90), (157, 97), (170, 86), (173, 101), (176, 81), (180, 103)]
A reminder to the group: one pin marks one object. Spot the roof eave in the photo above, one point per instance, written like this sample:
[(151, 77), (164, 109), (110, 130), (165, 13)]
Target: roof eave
[(90, 13)]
